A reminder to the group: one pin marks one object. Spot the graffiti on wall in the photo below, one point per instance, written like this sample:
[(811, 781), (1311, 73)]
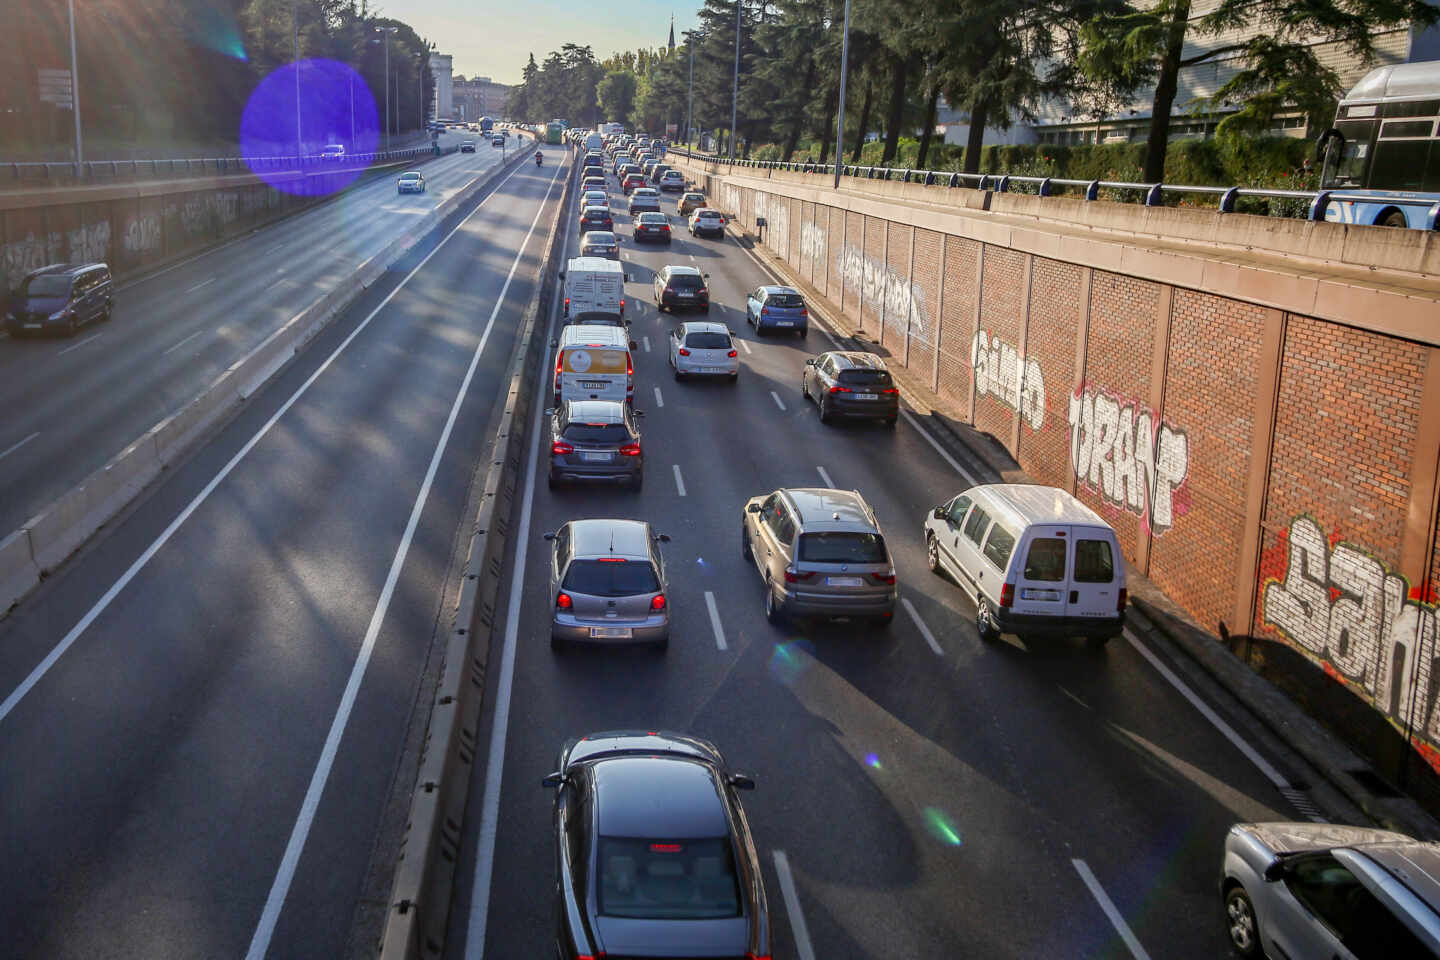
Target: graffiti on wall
[(1003, 373), (88, 242), (812, 242), (871, 277), (777, 219), (142, 234), (207, 212), (1346, 609), (1136, 461)]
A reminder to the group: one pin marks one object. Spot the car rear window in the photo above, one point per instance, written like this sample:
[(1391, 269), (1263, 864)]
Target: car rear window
[(600, 318), (708, 341), (598, 236), (1093, 561), (686, 281), (653, 218), (708, 214), (657, 879), (597, 433), (1046, 559), (842, 548), (611, 578), (868, 378), (784, 300), (999, 546)]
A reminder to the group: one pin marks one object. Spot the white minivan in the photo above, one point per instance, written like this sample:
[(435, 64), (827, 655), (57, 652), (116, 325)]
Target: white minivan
[(1036, 561), (593, 363), (594, 285)]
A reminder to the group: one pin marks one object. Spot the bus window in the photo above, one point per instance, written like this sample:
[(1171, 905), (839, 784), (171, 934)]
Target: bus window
[(1400, 164), (1348, 169)]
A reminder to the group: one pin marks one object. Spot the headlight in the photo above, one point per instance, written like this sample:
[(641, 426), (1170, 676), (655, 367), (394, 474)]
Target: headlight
[(59, 314)]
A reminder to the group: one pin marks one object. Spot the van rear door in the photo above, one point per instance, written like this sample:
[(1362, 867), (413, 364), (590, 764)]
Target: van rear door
[(1096, 575), (1041, 572), (595, 373)]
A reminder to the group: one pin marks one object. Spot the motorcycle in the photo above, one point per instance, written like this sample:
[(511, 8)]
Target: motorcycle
[(539, 159)]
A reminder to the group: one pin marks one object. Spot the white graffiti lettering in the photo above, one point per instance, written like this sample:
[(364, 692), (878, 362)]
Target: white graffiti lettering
[(142, 234), (90, 242), (1003, 373), (877, 284), (19, 257), (812, 242), (1123, 451)]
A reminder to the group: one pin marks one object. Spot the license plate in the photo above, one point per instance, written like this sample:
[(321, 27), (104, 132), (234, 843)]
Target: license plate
[(32, 326), (843, 581), (597, 457), (867, 396), (684, 296), (717, 369), (1048, 595), (592, 384), (611, 633), (784, 323)]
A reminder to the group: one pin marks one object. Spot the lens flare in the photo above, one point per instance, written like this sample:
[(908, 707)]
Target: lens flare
[(872, 761), (940, 827), (334, 107), (790, 659)]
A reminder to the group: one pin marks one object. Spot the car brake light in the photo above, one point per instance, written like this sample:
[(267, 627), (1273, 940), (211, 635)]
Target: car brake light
[(560, 446), (622, 304), (612, 559), (887, 578), (657, 602), (794, 576), (630, 450), (1007, 595), (804, 312), (629, 366), (890, 390), (839, 389), (764, 311), (563, 601), (684, 352), (1121, 601), (732, 353), (665, 847), (701, 292), (757, 956)]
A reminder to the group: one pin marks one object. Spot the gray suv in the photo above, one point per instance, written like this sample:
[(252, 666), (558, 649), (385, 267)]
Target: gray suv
[(1321, 890), (608, 581), (820, 553), (596, 440)]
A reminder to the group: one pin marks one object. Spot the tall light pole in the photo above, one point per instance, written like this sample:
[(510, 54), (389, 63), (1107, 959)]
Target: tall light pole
[(295, 33), (387, 31), (690, 104), (840, 118), (75, 89), (735, 87)]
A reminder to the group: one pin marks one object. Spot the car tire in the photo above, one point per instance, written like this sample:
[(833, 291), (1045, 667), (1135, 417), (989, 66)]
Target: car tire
[(1241, 923), (105, 315), (773, 611), (804, 332), (883, 621), (639, 482), (557, 643), (734, 379), (72, 326), (745, 550), (678, 375), (551, 480), (890, 422), (1096, 643), (985, 622), (932, 554), (825, 416)]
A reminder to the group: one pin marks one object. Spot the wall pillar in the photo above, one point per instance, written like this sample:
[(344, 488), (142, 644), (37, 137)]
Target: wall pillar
[(1262, 442), (1159, 363), (1021, 348)]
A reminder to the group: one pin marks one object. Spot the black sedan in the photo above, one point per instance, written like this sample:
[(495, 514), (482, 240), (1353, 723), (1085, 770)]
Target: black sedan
[(653, 854), (652, 226), (600, 243), (596, 218)]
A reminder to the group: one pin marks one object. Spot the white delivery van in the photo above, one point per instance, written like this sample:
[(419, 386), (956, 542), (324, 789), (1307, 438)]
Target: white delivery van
[(593, 363), (594, 284), (595, 141), (1036, 561)]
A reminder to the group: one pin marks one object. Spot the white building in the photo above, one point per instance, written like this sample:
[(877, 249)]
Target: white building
[(444, 90)]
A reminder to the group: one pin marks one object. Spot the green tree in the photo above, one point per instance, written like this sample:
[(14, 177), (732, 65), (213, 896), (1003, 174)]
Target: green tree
[(616, 94)]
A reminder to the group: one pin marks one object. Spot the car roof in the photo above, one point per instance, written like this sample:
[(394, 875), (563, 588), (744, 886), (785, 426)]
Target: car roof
[(596, 411), (410, 173), (704, 326), (1026, 503), (707, 212), (674, 171), (857, 360), (1415, 863), (595, 265), (594, 335), (694, 193), (821, 509), (680, 270), (627, 788), (610, 538), (773, 288), (62, 269)]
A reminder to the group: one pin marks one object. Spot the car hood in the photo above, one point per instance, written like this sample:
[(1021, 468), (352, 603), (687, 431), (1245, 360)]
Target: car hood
[(1303, 837), (45, 305), (727, 937)]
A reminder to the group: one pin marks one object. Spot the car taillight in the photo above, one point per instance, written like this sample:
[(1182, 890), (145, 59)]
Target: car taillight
[(886, 578), (684, 352), (622, 304), (732, 353), (629, 366), (665, 227), (794, 576), (657, 602), (563, 601), (764, 311), (1007, 595), (839, 389), (804, 312), (701, 292), (757, 956), (567, 303), (630, 450), (1122, 600), (560, 446), (890, 390)]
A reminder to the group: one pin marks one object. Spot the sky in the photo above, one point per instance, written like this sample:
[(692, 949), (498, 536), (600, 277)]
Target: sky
[(488, 38)]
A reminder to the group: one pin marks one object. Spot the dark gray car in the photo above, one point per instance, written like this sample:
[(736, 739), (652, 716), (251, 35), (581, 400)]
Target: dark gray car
[(597, 441), (848, 383), (60, 298)]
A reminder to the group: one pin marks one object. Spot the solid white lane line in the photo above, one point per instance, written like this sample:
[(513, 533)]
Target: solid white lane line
[(924, 630), (826, 477), (16, 446), (182, 343), (715, 620), (275, 902), (778, 402), (798, 929), (77, 346), (679, 480), (659, 400), (1227, 731), (1117, 921), (944, 454), (109, 596), (647, 343), (746, 345), (504, 688), (206, 283)]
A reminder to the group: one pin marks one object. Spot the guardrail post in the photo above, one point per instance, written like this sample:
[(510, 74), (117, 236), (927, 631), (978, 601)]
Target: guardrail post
[(1432, 218), (1092, 190), (1004, 185), (1153, 196), (1318, 205), (1227, 200), (1045, 188)]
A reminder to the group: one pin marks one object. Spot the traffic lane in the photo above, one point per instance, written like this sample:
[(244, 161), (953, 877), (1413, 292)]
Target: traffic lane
[(181, 330), (205, 739)]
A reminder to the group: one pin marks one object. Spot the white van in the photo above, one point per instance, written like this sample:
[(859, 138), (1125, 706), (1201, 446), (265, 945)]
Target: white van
[(593, 363), (594, 285), (595, 141), (1036, 561)]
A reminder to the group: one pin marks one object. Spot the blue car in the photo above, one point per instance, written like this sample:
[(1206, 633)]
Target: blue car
[(777, 309)]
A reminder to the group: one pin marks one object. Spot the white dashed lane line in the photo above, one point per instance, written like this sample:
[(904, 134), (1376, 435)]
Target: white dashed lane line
[(715, 620), (203, 283), (82, 343), (659, 400), (746, 345), (647, 343), (16, 446), (920, 625), (826, 477), (798, 929), (679, 480), (778, 402), (1117, 921), (182, 343)]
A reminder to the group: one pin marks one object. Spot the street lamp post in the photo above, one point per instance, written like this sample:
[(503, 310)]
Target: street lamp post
[(840, 118), (295, 33), (387, 31), (735, 87), (690, 104), (75, 89)]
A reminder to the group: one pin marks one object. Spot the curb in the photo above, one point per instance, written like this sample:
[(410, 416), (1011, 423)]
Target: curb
[(43, 542), (418, 912)]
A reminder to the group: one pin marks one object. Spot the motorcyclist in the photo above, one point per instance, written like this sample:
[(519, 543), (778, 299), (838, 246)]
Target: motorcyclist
[(539, 158)]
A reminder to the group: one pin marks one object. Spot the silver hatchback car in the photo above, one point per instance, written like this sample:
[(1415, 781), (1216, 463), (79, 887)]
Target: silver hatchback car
[(608, 581), (820, 553)]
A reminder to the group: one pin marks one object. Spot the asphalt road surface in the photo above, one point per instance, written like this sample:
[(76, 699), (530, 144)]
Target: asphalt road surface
[(206, 717), (68, 405), (920, 794)]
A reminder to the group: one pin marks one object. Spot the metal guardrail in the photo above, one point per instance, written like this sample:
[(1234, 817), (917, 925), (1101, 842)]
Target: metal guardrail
[(1149, 194), (27, 174)]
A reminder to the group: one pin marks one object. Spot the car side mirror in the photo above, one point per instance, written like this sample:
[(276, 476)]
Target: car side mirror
[(553, 779), (1276, 871), (741, 782), (562, 274), (705, 275), (554, 343), (627, 276), (939, 513), (637, 413), (550, 536), (549, 411), (634, 345), (663, 537), (752, 508), (810, 362)]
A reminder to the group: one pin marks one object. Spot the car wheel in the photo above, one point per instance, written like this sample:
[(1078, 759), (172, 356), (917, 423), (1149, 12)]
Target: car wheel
[(734, 379), (773, 613), (551, 480), (804, 332), (557, 642), (932, 553), (985, 622), (678, 375), (72, 326), (883, 621), (1096, 643), (745, 550), (1241, 922), (1394, 218), (891, 421), (639, 482), (824, 410), (105, 317), (660, 646)]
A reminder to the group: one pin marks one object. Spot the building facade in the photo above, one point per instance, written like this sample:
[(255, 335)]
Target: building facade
[(480, 97), (440, 66)]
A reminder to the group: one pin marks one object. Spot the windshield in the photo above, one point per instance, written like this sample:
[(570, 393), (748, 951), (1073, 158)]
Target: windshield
[(667, 879), (46, 285), (686, 281), (611, 578), (866, 378)]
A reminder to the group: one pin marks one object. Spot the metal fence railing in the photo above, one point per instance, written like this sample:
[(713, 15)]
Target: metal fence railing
[(1303, 204)]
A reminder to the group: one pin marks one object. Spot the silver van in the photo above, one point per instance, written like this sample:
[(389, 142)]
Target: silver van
[(1036, 561), (608, 581)]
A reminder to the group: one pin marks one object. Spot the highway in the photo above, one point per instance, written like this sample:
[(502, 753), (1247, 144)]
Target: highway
[(208, 717), (920, 794), (71, 404)]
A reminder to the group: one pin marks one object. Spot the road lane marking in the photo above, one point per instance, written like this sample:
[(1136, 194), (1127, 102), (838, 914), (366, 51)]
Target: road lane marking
[(505, 685), (910, 419), (1228, 732), (647, 343), (746, 345), (16, 446), (206, 283), (679, 480), (77, 346), (924, 630), (275, 902), (778, 402), (715, 620), (182, 343), (1117, 921), (692, 257), (826, 477), (792, 907), (659, 400)]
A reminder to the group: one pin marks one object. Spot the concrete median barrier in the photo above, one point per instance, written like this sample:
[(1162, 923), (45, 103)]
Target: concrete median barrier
[(62, 527)]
